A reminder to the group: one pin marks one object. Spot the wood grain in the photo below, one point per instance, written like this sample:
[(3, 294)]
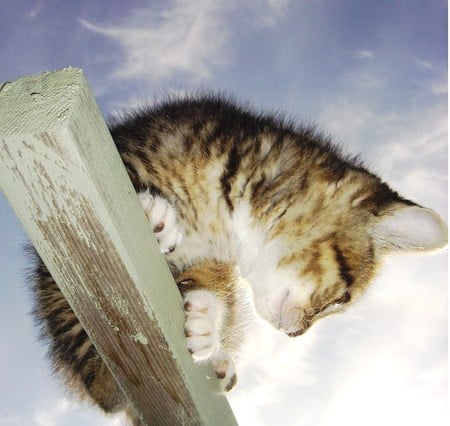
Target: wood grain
[(62, 174)]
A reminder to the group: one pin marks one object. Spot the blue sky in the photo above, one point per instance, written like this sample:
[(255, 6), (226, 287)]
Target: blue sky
[(374, 75)]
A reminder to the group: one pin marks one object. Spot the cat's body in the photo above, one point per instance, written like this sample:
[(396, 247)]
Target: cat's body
[(237, 198)]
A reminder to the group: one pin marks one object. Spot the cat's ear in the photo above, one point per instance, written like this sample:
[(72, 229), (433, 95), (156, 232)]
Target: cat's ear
[(410, 228)]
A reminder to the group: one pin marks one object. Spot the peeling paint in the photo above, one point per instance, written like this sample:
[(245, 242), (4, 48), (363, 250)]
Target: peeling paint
[(64, 178), (139, 337)]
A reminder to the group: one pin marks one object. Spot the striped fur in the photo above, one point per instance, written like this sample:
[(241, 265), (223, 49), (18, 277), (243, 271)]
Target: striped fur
[(277, 202)]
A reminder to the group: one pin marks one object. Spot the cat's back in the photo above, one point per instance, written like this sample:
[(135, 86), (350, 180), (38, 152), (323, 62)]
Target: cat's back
[(214, 143), (211, 159)]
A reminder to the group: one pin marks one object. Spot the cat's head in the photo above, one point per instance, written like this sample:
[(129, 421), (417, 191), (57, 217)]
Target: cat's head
[(330, 257)]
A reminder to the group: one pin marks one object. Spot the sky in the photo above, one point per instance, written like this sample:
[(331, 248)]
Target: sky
[(371, 74)]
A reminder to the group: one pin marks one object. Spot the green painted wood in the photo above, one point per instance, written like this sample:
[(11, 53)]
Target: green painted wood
[(62, 174)]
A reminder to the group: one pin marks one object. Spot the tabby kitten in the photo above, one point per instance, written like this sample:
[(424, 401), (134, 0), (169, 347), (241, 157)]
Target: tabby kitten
[(240, 201)]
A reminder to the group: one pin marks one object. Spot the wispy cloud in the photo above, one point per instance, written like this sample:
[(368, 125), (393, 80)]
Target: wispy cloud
[(65, 412), (440, 86), (9, 419), (423, 64), (347, 119), (364, 54), (408, 149), (187, 37), (45, 417), (35, 11), (267, 13)]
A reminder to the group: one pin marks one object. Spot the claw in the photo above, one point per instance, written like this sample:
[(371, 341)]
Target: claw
[(159, 227)]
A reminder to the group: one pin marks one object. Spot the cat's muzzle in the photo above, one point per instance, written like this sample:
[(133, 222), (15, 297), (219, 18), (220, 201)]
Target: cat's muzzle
[(295, 322)]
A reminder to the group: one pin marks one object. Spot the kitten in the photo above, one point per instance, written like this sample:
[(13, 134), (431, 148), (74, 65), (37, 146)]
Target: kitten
[(242, 202)]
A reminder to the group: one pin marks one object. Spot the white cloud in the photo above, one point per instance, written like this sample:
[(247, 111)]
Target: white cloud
[(408, 150), (423, 64), (346, 120), (440, 86), (267, 13), (35, 11), (414, 152), (46, 416), (10, 419), (64, 411), (187, 37), (364, 54)]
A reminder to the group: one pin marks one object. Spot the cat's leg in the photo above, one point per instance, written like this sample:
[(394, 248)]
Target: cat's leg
[(210, 314), (162, 217)]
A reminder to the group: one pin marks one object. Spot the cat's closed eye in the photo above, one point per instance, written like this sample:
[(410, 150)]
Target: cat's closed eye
[(336, 305), (345, 298)]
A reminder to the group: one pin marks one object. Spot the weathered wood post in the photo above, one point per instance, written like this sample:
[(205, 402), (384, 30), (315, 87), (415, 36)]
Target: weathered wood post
[(63, 176)]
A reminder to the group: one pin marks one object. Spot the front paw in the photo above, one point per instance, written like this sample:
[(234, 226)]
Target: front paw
[(202, 311), (162, 217)]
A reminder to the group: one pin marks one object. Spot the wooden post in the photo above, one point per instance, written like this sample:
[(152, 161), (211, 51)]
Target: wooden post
[(63, 176)]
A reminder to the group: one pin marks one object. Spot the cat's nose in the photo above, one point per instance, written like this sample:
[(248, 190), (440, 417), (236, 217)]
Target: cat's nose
[(300, 327), (296, 333)]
